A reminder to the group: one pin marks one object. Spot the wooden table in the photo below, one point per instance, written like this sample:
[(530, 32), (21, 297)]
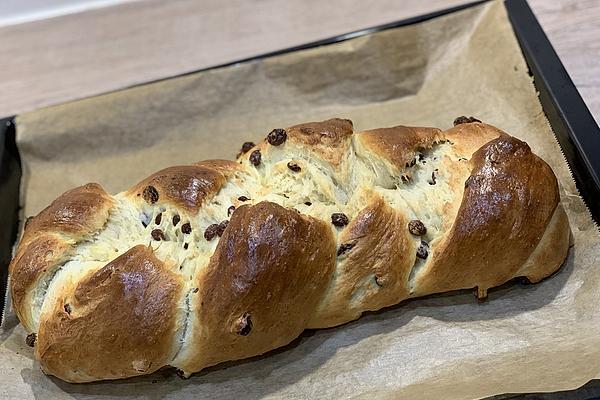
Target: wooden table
[(73, 56)]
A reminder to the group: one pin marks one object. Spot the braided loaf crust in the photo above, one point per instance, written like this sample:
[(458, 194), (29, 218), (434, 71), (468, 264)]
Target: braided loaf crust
[(222, 260)]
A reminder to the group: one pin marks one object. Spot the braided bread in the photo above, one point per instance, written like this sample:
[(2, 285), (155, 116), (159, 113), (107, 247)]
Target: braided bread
[(222, 260)]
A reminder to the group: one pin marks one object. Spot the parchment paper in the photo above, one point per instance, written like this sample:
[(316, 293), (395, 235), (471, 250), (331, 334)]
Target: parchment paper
[(540, 337)]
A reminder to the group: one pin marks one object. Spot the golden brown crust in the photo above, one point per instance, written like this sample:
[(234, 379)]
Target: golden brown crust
[(217, 289), (186, 186), (78, 212), (330, 139), (41, 257), (117, 322), (400, 144), (262, 284), (507, 204), (468, 138), (380, 235)]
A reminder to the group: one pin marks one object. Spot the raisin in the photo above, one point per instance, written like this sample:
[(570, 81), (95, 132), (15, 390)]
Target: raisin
[(294, 167), (417, 228), (211, 232), (30, 339), (230, 210), (185, 246), (243, 198), (176, 219), (464, 120), (339, 219), (276, 137), (255, 158), (150, 194), (423, 250), (157, 234), (243, 325), (158, 219), (247, 146), (345, 247), (186, 228), (307, 203), (221, 227)]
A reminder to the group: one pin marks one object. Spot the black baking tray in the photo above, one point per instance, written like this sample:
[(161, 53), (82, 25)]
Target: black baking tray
[(572, 122)]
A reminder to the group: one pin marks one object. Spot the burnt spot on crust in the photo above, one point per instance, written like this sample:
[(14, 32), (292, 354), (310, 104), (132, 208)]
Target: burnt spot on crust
[(30, 339), (464, 120), (243, 325), (150, 194), (277, 137)]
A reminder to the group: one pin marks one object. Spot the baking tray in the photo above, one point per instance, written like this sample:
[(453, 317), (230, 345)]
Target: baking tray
[(571, 121)]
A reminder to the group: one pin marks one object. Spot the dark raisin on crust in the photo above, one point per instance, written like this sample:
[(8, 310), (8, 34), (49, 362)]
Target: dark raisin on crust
[(176, 219), (339, 219), (417, 227), (464, 120), (211, 232), (157, 234), (30, 339), (255, 158), (243, 325), (221, 227), (243, 198), (277, 137), (186, 228), (294, 167), (230, 210), (345, 247), (423, 250), (158, 218), (67, 308), (150, 194), (247, 146)]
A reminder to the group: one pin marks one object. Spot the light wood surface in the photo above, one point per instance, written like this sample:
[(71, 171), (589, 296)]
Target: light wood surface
[(78, 55)]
